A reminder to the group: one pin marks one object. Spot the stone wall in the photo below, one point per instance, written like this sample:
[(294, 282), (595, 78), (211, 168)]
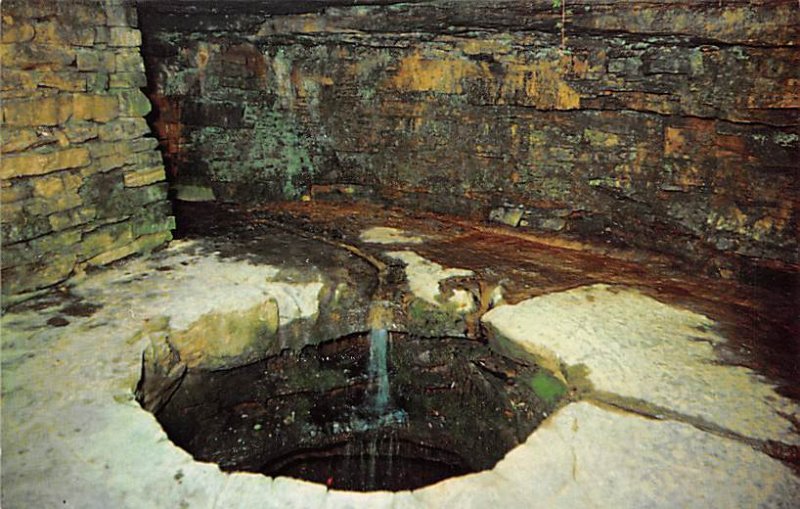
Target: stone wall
[(82, 181), (670, 125)]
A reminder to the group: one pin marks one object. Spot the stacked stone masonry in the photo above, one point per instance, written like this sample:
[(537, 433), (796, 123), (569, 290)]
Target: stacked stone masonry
[(670, 125), (81, 177)]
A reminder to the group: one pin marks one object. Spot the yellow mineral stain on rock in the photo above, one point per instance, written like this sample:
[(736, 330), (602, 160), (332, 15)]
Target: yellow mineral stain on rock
[(313, 23), (690, 177), (540, 84), (776, 221), (732, 220), (674, 141), (733, 18), (516, 140), (567, 98), (202, 56), (418, 73)]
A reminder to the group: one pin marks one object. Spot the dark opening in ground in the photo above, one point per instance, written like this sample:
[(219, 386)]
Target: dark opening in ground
[(372, 411)]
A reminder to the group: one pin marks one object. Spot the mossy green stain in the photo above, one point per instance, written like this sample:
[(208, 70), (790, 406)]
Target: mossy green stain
[(270, 151), (427, 320), (548, 387)]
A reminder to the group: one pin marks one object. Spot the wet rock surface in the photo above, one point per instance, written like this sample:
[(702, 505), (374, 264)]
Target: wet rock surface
[(454, 407), (631, 346), (660, 125), (68, 390)]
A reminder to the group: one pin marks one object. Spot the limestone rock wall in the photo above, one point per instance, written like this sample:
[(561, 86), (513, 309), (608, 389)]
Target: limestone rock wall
[(671, 125), (82, 180)]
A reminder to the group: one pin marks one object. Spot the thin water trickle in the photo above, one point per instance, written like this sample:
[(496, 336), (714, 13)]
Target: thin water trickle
[(384, 430), (378, 372), (379, 408)]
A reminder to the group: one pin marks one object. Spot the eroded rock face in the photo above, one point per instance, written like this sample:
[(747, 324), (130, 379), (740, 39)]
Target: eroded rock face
[(656, 124)]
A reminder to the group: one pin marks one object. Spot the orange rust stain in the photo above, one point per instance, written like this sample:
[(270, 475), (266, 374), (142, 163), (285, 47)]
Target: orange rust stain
[(532, 264), (296, 78), (728, 146), (674, 142), (540, 83), (690, 137), (579, 68), (647, 102), (777, 220), (418, 73), (169, 130), (691, 176), (701, 125)]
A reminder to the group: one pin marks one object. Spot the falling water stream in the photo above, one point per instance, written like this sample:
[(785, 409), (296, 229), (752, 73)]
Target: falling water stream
[(373, 411), (378, 372), (382, 416)]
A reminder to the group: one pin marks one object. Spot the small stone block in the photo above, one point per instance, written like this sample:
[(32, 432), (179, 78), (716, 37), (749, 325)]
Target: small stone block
[(124, 37), (129, 61), (66, 81), (127, 80), (67, 219), (133, 103), (144, 177), (123, 128), (15, 140), (95, 60), (121, 15), (43, 163), (193, 193), (101, 108), (45, 111), (16, 30)]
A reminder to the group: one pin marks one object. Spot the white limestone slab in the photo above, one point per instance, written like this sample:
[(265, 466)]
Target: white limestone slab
[(425, 275), (586, 456), (206, 283), (638, 347), (73, 437)]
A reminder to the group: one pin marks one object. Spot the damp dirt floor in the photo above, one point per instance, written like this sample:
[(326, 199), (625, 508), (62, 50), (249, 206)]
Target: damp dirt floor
[(681, 390)]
